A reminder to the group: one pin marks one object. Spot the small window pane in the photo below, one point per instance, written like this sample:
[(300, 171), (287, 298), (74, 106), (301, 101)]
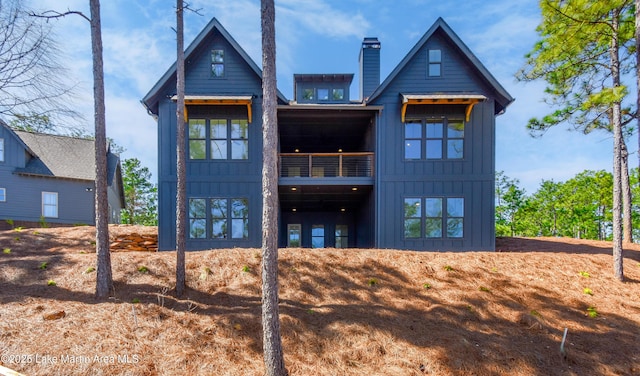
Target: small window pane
[(434, 70), (240, 208), (197, 228), (197, 149), (434, 149), (455, 129), (412, 149), (454, 149), (455, 207), (239, 149), (219, 149), (317, 236), (239, 129), (1, 149), (433, 207), (435, 56), (412, 208), (217, 56), (3, 194), (197, 128), (218, 208), (413, 130), (50, 204), (454, 228), (217, 63), (338, 94), (219, 228), (433, 227), (240, 228), (307, 94), (197, 208), (218, 128), (323, 94), (434, 130), (412, 228)]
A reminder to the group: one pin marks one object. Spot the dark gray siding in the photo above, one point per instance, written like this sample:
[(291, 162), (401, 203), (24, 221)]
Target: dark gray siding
[(210, 178), (471, 177), (24, 193)]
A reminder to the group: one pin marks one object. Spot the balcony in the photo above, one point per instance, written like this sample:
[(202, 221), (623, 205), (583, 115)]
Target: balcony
[(326, 165)]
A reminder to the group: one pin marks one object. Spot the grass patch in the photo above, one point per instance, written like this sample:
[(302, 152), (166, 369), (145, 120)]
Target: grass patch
[(372, 281), (90, 269), (43, 265), (143, 269), (426, 286), (6, 251), (587, 291), (591, 312), (51, 282), (448, 268), (585, 274), (484, 289)]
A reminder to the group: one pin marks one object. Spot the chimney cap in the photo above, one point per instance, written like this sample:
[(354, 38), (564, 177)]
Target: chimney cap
[(370, 42)]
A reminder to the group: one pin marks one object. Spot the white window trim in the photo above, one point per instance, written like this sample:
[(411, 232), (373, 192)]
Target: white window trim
[(43, 205), (3, 198)]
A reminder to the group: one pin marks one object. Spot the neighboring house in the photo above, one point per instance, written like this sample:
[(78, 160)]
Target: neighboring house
[(408, 165), (51, 178)]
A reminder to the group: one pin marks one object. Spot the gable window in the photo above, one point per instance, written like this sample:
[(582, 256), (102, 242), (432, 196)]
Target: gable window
[(50, 204), (217, 63), (222, 218), (1, 149), (434, 139), (219, 139), (441, 217), (435, 63), (3, 194)]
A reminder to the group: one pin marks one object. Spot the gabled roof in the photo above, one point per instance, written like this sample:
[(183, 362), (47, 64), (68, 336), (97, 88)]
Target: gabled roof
[(150, 101), (503, 98), (58, 156)]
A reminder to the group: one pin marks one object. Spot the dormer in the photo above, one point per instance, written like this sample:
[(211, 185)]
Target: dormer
[(322, 88)]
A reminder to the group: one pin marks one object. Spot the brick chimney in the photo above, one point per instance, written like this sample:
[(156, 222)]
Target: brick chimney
[(369, 67)]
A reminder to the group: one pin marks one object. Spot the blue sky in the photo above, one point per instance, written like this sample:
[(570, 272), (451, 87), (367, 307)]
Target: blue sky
[(324, 36)]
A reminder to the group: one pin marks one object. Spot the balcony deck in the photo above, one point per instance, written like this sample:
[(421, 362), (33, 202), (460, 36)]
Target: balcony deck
[(345, 168)]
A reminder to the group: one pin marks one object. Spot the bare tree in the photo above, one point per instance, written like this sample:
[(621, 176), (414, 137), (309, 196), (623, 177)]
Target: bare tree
[(272, 342), (31, 75), (181, 192), (104, 278)]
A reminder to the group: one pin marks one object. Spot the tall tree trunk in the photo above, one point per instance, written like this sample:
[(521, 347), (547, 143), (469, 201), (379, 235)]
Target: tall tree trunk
[(181, 191), (104, 279), (627, 224), (272, 342), (637, 37), (617, 156)]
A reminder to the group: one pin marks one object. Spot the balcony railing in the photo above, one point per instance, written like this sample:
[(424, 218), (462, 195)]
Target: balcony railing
[(327, 165)]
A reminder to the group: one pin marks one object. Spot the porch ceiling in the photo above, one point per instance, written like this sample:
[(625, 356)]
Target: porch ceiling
[(323, 131), (326, 198)]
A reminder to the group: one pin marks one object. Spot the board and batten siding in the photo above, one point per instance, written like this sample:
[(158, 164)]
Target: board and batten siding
[(471, 177), (211, 178)]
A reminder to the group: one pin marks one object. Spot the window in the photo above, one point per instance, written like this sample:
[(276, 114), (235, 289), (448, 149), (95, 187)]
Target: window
[(225, 139), (323, 94), (219, 218), (3, 194), (217, 63), (433, 217), (197, 218), (50, 204), (307, 95), (429, 140), (1, 149), (317, 236), (337, 94), (197, 139), (455, 217), (412, 217), (435, 63), (294, 235), (342, 236)]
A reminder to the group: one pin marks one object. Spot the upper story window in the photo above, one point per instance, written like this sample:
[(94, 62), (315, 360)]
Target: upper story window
[(1, 149), (433, 139), (337, 94), (217, 63), (435, 63), (225, 139)]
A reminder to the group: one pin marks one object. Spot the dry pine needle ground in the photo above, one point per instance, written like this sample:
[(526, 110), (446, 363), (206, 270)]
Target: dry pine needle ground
[(343, 312)]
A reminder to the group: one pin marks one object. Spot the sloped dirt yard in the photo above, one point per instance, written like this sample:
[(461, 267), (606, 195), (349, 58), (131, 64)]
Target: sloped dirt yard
[(343, 312)]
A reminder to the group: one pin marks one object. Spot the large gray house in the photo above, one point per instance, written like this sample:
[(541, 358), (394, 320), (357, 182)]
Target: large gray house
[(410, 164), (51, 178)]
